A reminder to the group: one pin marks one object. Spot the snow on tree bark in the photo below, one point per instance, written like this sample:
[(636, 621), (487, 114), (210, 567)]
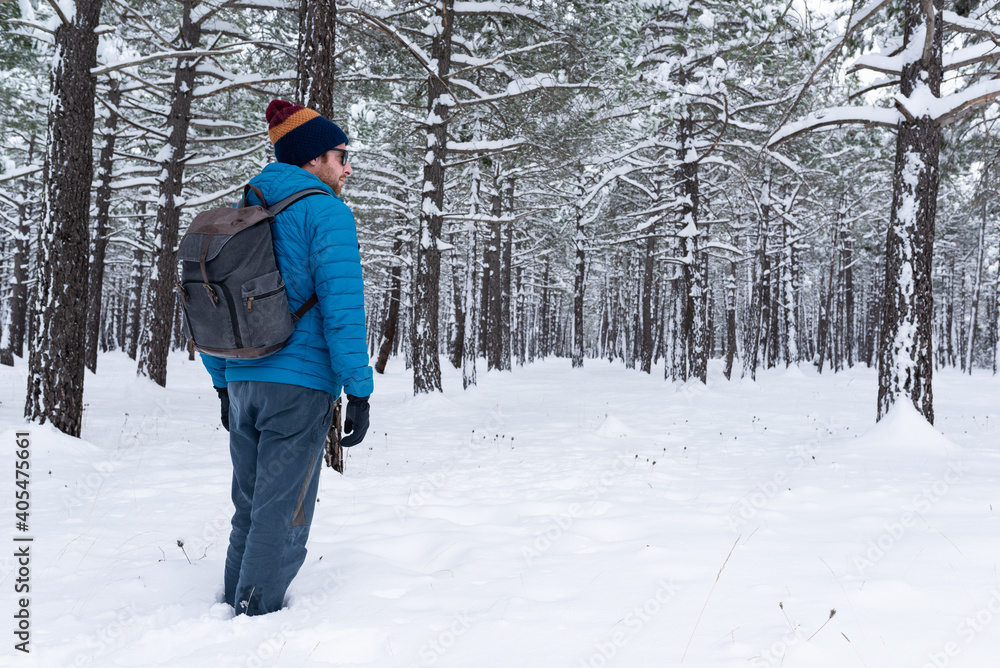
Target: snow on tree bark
[(789, 280), (56, 359), (970, 339), (316, 51), (470, 335), (456, 341), (136, 280), (996, 326), (392, 320), (100, 241), (694, 322), (757, 332), (731, 298), (162, 303), (579, 288), (648, 343), (905, 352), (426, 362), (14, 333), (492, 284), (506, 286)]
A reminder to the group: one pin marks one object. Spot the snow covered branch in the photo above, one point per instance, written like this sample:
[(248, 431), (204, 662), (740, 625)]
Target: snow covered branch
[(952, 107), (970, 26), (476, 64), (208, 198), (855, 21), (239, 81), (868, 116), (225, 157), (162, 55), (27, 170), (469, 8), (477, 147)]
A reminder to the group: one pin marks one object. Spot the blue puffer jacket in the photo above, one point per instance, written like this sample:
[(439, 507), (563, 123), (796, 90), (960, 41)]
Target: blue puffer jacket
[(316, 244)]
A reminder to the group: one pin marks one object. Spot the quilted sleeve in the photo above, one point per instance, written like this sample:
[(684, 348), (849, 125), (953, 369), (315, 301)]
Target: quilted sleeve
[(216, 369), (335, 263)]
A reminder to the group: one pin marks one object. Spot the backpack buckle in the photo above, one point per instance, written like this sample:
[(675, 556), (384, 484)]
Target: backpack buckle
[(211, 293)]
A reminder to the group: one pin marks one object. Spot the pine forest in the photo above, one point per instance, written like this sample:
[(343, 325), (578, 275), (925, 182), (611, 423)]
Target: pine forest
[(664, 183)]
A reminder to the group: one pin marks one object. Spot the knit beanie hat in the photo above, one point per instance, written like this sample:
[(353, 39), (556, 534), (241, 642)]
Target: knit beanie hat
[(300, 134)]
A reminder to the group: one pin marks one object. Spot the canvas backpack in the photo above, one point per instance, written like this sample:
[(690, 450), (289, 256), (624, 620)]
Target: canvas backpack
[(232, 294)]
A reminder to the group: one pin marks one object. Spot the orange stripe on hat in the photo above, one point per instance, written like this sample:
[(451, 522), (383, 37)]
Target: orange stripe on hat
[(300, 117)]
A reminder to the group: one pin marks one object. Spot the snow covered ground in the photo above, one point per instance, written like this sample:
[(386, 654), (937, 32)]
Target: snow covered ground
[(548, 517)]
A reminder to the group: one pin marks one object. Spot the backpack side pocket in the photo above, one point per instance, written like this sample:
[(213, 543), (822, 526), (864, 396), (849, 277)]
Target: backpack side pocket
[(265, 306)]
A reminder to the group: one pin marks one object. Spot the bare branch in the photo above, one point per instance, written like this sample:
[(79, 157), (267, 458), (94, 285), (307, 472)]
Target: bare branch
[(930, 20), (59, 11)]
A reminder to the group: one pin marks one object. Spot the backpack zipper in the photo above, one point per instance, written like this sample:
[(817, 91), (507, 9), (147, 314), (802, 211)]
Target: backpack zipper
[(266, 294)]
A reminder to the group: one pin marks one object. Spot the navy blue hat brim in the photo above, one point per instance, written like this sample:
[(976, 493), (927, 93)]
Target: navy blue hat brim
[(310, 140)]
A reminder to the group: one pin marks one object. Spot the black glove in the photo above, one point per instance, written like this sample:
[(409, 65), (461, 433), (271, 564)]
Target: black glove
[(224, 398), (356, 421)]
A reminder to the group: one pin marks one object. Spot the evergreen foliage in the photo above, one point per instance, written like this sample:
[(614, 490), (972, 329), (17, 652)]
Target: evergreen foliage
[(664, 182)]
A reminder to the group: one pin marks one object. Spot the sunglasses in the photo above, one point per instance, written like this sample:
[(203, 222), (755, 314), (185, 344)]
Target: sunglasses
[(343, 155)]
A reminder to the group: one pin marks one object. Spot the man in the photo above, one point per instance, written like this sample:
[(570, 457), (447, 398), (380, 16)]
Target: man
[(280, 407)]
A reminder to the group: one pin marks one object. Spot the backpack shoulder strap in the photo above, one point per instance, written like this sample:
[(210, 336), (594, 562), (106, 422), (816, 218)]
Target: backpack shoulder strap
[(306, 305), (278, 207)]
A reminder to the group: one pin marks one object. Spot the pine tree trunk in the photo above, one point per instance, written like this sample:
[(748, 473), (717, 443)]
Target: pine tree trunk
[(840, 326), (847, 263), (905, 350), (632, 314), (659, 300), (970, 340), (493, 286), (519, 320), (761, 272), (506, 287), (996, 327), (457, 346), (17, 322), (789, 297), (948, 328), (677, 366), (136, 278), (392, 320), (695, 264), (426, 289), (544, 339), (18, 285), (579, 288), (471, 336), (162, 301), (649, 261), (100, 242), (731, 339), (56, 359), (316, 49), (531, 306), (824, 338)]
